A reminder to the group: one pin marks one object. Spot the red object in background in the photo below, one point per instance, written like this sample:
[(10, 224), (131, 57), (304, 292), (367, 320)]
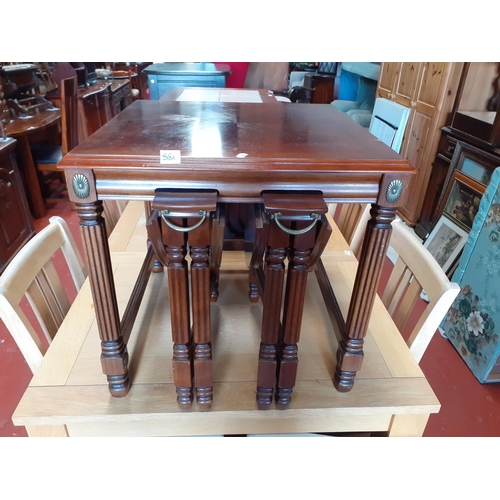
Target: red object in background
[(236, 80)]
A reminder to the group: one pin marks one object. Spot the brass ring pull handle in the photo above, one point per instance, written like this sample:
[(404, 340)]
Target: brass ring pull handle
[(165, 213), (294, 232)]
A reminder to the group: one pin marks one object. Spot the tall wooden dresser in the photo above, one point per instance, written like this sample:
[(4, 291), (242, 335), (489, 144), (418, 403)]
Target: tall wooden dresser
[(472, 136), (429, 90)]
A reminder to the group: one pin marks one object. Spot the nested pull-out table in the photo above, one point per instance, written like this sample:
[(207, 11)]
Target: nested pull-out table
[(69, 395), (240, 150)]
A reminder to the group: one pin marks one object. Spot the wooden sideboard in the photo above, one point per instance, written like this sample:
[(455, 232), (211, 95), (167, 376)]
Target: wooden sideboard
[(119, 94), (15, 217), (141, 81), (429, 90)]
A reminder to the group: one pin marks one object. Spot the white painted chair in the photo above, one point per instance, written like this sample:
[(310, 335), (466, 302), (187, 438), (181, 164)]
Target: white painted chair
[(351, 220), (112, 211), (32, 274), (416, 270)]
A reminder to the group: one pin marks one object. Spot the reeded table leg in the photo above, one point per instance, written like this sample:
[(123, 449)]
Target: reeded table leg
[(114, 356), (274, 278), (178, 283), (298, 270), (199, 243), (350, 350)]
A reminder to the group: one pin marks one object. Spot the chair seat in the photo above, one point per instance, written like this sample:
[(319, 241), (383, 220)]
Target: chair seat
[(46, 154)]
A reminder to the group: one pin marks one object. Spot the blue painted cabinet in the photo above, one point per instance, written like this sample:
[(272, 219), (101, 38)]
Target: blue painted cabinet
[(165, 76)]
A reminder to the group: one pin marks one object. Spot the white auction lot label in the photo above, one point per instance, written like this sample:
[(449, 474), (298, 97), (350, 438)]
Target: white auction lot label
[(170, 156)]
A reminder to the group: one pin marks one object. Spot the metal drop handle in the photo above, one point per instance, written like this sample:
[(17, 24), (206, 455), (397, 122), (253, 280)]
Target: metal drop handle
[(165, 213), (294, 232)]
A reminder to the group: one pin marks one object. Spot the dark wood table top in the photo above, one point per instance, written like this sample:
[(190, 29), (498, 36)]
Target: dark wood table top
[(31, 124), (192, 69), (237, 148)]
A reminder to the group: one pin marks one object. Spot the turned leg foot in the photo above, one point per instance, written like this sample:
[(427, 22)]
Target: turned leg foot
[(119, 385), (253, 287), (264, 397), (184, 397), (266, 375), (182, 374), (114, 362), (287, 376), (214, 285), (349, 361), (283, 398), (157, 266), (203, 380)]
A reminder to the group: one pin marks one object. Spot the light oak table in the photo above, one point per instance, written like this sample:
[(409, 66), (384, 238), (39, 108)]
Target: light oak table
[(69, 396)]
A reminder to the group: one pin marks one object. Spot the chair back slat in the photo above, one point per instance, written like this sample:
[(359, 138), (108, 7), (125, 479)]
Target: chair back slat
[(48, 300), (22, 332), (351, 220), (395, 286), (407, 303)]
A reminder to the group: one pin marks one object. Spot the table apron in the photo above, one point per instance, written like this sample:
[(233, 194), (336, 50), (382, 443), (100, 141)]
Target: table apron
[(235, 189)]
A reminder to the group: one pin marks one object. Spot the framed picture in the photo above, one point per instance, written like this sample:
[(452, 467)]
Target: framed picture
[(474, 162), (473, 165), (446, 241), (462, 199)]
